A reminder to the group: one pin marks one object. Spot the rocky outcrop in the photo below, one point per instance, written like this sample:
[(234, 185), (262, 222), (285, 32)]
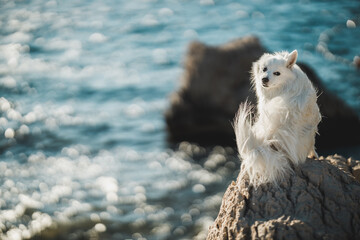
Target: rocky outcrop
[(320, 200), (216, 80)]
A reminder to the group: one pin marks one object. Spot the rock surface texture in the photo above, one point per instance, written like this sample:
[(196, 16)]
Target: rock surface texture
[(217, 79), (320, 200)]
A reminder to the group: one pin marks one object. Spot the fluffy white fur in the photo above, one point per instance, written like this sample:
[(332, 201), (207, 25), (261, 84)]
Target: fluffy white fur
[(285, 126)]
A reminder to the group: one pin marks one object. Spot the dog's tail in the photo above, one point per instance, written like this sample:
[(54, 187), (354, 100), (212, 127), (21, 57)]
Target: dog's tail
[(261, 161)]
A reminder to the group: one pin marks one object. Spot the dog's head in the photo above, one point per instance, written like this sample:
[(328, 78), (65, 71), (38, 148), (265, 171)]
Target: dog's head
[(274, 70)]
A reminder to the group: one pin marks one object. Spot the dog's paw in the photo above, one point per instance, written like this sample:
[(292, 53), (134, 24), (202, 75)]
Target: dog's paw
[(313, 155)]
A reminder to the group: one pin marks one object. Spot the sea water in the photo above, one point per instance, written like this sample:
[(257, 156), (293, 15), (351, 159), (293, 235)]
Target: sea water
[(84, 85)]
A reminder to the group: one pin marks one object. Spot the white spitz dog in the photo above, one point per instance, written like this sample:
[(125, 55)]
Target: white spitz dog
[(284, 128)]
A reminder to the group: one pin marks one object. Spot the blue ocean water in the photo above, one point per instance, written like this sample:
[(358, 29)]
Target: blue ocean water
[(84, 85)]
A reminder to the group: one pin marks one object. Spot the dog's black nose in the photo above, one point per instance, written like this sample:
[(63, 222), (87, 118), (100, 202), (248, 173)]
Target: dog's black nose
[(265, 80)]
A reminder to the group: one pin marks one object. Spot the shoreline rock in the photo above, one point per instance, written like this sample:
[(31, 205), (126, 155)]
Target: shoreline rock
[(321, 200), (217, 79)]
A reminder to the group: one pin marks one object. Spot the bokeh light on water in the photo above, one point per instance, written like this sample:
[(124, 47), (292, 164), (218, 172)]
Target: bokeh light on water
[(115, 194), (84, 85)]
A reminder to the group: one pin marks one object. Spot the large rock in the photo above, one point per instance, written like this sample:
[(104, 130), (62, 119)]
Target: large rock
[(216, 80), (321, 200)]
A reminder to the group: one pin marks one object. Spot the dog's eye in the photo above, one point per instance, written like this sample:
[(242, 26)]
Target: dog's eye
[(277, 73), (264, 69)]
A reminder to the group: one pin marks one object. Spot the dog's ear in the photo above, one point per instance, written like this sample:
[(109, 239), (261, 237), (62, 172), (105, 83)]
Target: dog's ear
[(291, 60), (254, 71), (255, 67)]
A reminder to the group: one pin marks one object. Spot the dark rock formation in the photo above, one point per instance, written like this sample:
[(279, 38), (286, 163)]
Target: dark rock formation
[(321, 200), (216, 80), (339, 120)]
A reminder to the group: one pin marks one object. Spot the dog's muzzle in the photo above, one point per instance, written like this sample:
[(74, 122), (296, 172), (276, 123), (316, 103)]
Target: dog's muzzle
[(265, 81)]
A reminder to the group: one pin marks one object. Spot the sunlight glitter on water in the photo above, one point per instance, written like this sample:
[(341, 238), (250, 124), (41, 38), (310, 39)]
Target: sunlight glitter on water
[(73, 186)]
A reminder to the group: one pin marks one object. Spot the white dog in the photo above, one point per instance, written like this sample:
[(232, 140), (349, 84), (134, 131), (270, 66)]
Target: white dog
[(285, 126)]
